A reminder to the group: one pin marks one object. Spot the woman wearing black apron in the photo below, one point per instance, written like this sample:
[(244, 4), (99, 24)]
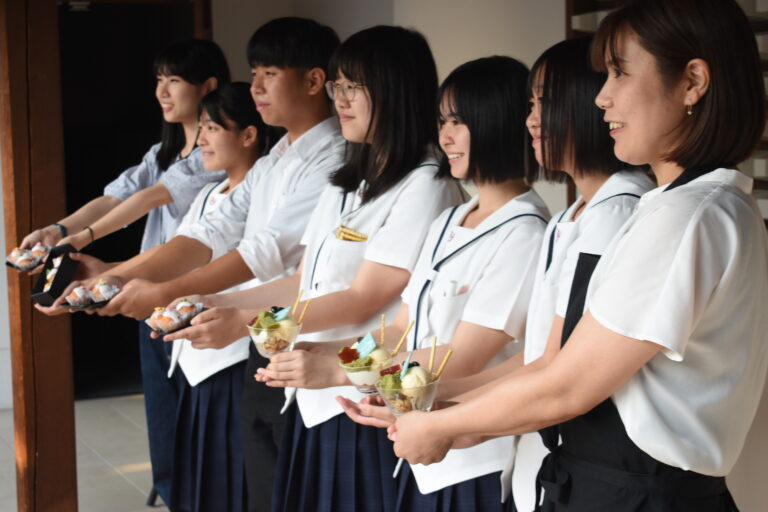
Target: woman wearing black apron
[(658, 383)]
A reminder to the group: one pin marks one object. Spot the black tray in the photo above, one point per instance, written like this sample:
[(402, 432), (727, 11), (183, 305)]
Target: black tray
[(87, 307), (63, 277)]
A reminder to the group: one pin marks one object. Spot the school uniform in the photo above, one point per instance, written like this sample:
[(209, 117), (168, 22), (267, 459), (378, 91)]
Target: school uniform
[(689, 272), (564, 239), (327, 462), (208, 467), (481, 275), (183, 179), (264, 219)]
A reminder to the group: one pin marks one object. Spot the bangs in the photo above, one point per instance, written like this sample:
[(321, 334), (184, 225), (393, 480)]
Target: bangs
[(612, 30), (348, 62)]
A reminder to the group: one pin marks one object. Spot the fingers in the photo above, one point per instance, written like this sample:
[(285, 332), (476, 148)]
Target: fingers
[(356, 413), (51, 310)]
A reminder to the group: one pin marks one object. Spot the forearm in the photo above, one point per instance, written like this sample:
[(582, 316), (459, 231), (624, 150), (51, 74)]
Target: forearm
[(462, 388), (280, 292), (216, 276), (89, 213), (525, 402), (130, 210), (174, 258)]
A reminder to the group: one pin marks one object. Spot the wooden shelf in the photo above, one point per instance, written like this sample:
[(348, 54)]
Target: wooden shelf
[(586, 6)]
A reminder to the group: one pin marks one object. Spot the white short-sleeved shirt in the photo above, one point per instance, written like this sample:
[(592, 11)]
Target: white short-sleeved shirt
[(199, 364), (689, 272), (183, 179), (487, 283), (265, 218), (591, 232), (396, 224)]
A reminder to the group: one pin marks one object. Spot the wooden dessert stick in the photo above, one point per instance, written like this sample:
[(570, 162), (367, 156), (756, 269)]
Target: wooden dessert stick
[(296, 304), (402, 339), (432, 354), (442, 365), (304, 312), (383, 319)]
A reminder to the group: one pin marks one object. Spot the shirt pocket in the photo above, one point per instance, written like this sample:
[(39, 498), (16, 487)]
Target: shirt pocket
[(446, 311), (340, 260)]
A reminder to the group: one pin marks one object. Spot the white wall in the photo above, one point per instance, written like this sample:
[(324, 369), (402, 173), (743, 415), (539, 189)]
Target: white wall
[(6, 395)]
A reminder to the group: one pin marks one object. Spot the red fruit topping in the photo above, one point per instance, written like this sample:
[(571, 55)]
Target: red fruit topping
[(253, 321), (348, 354), (390, 370)]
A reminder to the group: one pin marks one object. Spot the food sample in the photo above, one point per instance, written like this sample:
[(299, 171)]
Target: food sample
[(186, 309), (50, 274), (409, 390), (164, 320), (27, 259), (363, 361), (273, 331), (103, 291), (79, 297)]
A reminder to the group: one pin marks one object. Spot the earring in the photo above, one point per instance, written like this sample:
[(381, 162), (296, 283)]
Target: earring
[(689, 110)]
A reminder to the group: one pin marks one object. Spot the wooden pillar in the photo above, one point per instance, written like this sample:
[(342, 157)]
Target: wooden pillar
[(33, 195)]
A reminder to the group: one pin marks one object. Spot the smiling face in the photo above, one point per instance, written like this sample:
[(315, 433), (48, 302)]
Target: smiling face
[(533, 121), (178, 98), (643, 113), (221, 147), (355, 114), (454, 139)]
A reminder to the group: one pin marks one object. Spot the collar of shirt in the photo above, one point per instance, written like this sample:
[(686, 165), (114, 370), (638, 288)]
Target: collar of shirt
[(622, 182), (305, 144), (526, 203), (725, 176)]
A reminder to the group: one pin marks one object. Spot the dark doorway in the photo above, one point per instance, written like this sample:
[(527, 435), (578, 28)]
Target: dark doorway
[(110, 119)]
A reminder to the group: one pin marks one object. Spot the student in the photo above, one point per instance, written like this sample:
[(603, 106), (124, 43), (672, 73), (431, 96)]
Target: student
[(390, 190), (163, 184), (659, 380), (472, 284), (170, 174), (256, 230), (208, 468)]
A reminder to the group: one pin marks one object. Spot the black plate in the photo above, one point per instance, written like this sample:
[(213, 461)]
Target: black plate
[(87, 307), (183, 326), (63, 277)]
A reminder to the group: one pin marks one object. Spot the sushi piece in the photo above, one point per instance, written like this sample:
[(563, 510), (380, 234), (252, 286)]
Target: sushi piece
[(165, 320), (187, 309), (78, 297), (50, 276), (103, 291), (39, 251), (26, 262)]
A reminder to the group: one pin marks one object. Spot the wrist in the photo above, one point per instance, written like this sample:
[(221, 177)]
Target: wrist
[(56, 230)]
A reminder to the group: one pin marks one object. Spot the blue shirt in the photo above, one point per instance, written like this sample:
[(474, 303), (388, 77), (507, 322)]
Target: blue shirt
[(183, 179)]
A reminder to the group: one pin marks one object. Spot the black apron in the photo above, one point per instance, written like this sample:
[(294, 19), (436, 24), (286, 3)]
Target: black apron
[(598, 467)]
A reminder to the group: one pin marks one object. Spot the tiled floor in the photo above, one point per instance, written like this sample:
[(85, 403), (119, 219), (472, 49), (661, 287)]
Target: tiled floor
[(113, 471)]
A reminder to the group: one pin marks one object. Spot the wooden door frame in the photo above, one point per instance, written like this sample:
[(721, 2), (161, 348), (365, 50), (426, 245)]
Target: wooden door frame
[(32, 157)]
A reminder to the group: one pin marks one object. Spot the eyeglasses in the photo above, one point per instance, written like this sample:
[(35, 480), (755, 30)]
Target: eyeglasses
[(345, 90)]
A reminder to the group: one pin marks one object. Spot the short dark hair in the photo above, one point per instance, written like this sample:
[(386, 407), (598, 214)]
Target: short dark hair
[(572, 125), (233, 102), (194, 60), (489, 96), (397, 68), (298, 43), (727, 123)]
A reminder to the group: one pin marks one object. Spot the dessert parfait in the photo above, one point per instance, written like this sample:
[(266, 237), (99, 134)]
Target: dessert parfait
[(407, 388), (167, 320), (274, 330), (363, 361)]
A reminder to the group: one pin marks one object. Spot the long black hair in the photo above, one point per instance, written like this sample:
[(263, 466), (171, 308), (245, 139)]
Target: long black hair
[(233, 102), (195, 61), (488, 95), (397, 68), (572, 126)]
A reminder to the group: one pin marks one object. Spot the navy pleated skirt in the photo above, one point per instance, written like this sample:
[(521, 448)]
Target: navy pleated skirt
[(479, 494), (208, 466), (337, 466)]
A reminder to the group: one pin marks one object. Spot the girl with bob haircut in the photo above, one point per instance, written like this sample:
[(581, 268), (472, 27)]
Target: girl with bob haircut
[(657, 384), (208, 467), (472, 284), (390, 192)]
